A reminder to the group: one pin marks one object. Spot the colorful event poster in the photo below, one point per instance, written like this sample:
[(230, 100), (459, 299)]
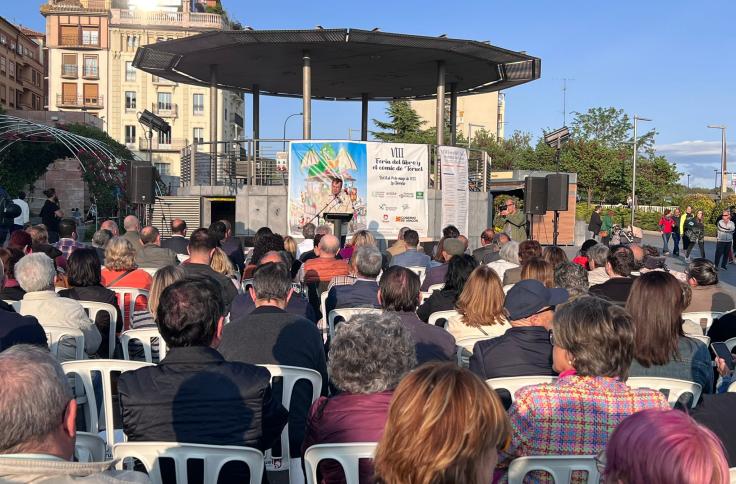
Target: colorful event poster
[(397, 188), (312, 167), (455, 194)]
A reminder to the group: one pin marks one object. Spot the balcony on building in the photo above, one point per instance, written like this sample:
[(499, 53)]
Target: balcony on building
[(161, 81), (169, 110), (69, 71), (80, 102), (165, 145), (90, 72), (237, 119), (79, 41), (186, 20), (64, 6)]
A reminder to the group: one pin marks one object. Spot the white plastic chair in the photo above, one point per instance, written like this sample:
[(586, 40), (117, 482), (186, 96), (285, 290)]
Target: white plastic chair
[(151, 271), (56, 334), (182, 257), (290, 375), (469, 342), (435, 287), (145, 337), (89, 447), (675, 388), (214, 457), (83, 371), (421, 271), (559, 467), (698, 316), (700, 337), (346, 314), (128, 310), (732, 475), (730, 343), (442, 315), (514, 383), (347, 455), (93, 308), (423, 296)]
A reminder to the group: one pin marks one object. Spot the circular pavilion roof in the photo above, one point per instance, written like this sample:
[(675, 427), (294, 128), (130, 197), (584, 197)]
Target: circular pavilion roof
[(346, 63)]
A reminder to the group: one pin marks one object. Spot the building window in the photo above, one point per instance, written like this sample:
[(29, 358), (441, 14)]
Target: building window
[(11, 69), (163, 168), (198, 104), (3, 65), (92, 95), (90, 37), (164, 138), (69, 35), (90, 66), (164, 101), (129, 72), (68, 94), (198, 135), (129, 134), (11, 97), (130, 99), (3, 94), (69, 65)]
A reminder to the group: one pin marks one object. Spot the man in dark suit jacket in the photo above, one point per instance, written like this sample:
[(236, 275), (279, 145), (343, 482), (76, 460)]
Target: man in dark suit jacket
[(222, 231), (270, 335), (490, 243), (178, 241), (16, 329), (193, 394), (152, 255), (366, 265)]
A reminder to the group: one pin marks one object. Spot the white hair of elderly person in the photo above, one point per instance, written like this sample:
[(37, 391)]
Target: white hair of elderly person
[(36, 275), (38, 415), (509, 258), (597, 258)]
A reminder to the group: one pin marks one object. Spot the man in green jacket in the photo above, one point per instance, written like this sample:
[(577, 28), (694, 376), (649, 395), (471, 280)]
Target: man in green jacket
[(514, 222)]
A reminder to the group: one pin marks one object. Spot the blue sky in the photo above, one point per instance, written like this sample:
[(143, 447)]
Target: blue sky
[(671, 61)]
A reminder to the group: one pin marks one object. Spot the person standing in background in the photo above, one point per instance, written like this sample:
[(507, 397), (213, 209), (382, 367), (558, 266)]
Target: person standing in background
[(51, 214), (25, 213), (684, 218), (676, 232), (724, 239), (595, 223), (514, 222), (666, 227), (607, 228)]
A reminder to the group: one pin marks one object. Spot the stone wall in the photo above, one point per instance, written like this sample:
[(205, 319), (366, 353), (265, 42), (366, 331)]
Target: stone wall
[(66, 177)]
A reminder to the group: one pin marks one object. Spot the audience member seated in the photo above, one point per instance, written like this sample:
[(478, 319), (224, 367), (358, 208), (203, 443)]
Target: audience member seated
[(593, 347), (178, 241), (715, 411), (16, 329), (99, 242), (308, 231), (68, 237), (36, 275), (490, 244), (444, 426), (320, 232), (112, 226), (152, 255), (708, 294), (291, 247), (398, 247), (21, 240), (465, 242), (325, 266), (121, 271), (597, 258), (40, 243), (481, 308), (132, 226), (262, 244), (359, 238), (83, 276), (508, 259), (298, 304), (399, 293), (639, 256), (662, 349), (445, 299), (11, 290), (524, 349), (582, 257), (38, 415), (619, 264), (411, 256), (662, 447), (368, 358), (528, 249), (572, 277), (201, 248), (365, 265), (222, 231), (539, 270), (222, 264), (199, 397), (162, 279), (436, 275), (554, 255)]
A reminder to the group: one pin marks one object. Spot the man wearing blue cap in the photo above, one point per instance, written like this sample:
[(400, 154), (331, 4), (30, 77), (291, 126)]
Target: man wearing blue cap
[(524, 350)]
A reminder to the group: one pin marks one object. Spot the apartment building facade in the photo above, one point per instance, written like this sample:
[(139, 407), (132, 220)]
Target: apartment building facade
[(21, 69), (122, 92), (474, 112)]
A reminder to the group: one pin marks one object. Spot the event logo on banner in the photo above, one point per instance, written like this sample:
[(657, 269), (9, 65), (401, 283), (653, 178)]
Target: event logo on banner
[(455, 194), (312, 167), (397, 188)]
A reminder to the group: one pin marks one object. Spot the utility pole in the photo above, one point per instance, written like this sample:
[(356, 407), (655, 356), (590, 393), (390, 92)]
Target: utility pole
[(723, 157), (633, 179)]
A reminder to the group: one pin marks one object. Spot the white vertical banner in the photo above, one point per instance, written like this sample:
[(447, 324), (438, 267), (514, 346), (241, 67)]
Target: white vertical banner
[(397, 188), (455, 194)]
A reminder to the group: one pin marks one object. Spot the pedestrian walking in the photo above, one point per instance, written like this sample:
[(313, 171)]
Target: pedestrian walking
[(666, 227), (695, 232), (724, 239)]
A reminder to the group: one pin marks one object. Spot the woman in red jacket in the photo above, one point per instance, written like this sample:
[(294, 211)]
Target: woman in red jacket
[(666, 227)]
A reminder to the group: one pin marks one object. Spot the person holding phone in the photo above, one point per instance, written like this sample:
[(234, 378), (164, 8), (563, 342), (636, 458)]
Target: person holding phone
[(513, 221)]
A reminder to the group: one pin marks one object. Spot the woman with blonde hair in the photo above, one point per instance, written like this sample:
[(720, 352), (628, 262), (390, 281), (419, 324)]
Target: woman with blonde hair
[(222, 264), (539, 269), (361, 237), (481, 308), (445, 426), (120, 270), (290, 246)]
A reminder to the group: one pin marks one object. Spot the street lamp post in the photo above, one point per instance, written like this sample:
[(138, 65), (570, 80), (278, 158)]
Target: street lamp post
[(688, 181), (286, 121), (715, 181), (633, 178), (723, 157)]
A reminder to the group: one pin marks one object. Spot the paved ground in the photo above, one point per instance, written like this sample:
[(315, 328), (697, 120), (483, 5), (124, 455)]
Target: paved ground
[(727, 277)]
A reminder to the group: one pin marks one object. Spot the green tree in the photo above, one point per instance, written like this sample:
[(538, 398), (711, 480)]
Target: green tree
[(610, 126), (514, 152), (404, 124)]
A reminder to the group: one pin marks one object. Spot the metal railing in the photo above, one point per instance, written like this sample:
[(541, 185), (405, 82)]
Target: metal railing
[(165, 110), (90, 72), (156, 145), (179, 19), (76, 40), (70, 70), (645, 208), (256, 162), (75, 101)]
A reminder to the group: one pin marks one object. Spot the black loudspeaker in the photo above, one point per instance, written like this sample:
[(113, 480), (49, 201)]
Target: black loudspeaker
[(140, 188), (558, 189), (535, 195)]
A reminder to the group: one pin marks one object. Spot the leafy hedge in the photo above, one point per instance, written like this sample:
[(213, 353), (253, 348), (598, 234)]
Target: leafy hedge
[(650, 220)]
